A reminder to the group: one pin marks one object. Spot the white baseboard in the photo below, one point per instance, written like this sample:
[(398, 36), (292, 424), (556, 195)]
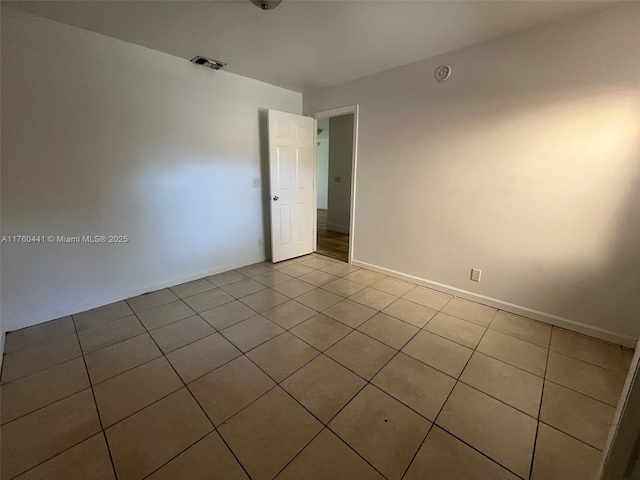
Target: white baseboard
[(551, 319), (338, 228), (123, 295)]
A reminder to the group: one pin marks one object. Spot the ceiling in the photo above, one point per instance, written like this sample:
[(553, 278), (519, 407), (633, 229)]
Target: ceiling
[(305, 45)]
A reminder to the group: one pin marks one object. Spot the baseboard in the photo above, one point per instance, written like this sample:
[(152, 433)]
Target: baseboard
[(123, 295), (548, 318), (338, 228)]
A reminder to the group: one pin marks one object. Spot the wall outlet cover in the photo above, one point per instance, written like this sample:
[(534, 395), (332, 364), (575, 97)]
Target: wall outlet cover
[(476, 274)]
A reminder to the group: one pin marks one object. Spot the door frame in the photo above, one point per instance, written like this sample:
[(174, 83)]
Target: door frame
[(336, 112)]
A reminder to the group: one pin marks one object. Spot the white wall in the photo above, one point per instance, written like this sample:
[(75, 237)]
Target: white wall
[(340, 154), (525, 164), (102, 137)]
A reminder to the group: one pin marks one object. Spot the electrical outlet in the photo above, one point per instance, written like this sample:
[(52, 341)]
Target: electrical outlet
[(476, 274), (256, 182)]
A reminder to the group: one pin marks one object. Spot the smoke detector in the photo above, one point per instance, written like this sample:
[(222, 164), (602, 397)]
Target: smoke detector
[(208, 62), (442, 73), (266, 4)]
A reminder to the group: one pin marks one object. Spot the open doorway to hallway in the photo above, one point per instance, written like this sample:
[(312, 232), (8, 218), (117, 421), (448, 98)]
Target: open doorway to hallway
[(334, 185)]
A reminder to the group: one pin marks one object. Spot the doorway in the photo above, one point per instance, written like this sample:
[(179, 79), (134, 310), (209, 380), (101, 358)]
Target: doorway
[(335, 168)]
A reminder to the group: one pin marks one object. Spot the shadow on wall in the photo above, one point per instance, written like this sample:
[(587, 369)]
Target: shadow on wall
[(263, 124)]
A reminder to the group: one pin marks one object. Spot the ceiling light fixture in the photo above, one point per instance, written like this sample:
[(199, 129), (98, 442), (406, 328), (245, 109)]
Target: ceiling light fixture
[(266, 4)]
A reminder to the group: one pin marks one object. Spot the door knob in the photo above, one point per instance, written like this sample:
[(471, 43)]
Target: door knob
[(276, 198)]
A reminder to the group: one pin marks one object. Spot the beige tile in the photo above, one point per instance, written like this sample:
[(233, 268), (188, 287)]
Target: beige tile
[(296, 270), (593, 381), (590, 350), (208, 459), (504, 434), (323, 386), (361, 354), (188, 289), (415, 384), (410, 312), (181, 333), (428, 298), (267, 434), (388, 330), (207, 300), (385, 432), (202, 356), (292, 261), (115, 359), (318, 278), (134, 390), (318, 262), (101, 315), (511, 385), (455, 329), (522, 328), (255, 269), (115, 331), (518, 353), (36, 437), (45, 355), (243, 288), (580, 416), (145, 441), (342, 287), (88, 460), (438, 352), (470, 311), (228, 314), (320, 331), (228, 389), (364, 277), (150, 300), (165, 314), (444, 457), (319, 299), (560, 457), (393, 287), (289, 314), (350, 313), (222, 279), (327, 457), (272, 278), (294, 288), (264, 300), (35, 391), (282, 356), (373, 298), (340, 269), (252, 332), (44, 332)]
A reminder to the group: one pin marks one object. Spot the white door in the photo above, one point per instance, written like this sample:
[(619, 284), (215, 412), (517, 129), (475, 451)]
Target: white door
[(292, 180)]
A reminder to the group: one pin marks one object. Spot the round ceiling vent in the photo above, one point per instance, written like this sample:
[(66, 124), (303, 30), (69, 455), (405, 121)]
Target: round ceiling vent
[(443, 72)]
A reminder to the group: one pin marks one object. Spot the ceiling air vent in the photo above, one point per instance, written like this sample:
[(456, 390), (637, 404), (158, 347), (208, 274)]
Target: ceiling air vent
[(208, 62)]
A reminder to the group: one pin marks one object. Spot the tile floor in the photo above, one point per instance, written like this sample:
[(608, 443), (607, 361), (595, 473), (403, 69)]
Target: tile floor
[(308, 369)]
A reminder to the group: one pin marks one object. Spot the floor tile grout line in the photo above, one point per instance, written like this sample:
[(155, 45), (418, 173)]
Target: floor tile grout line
[(406, 470), (572, 436), (581, 393), (214, 429), (535, 438), (95, 403)]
